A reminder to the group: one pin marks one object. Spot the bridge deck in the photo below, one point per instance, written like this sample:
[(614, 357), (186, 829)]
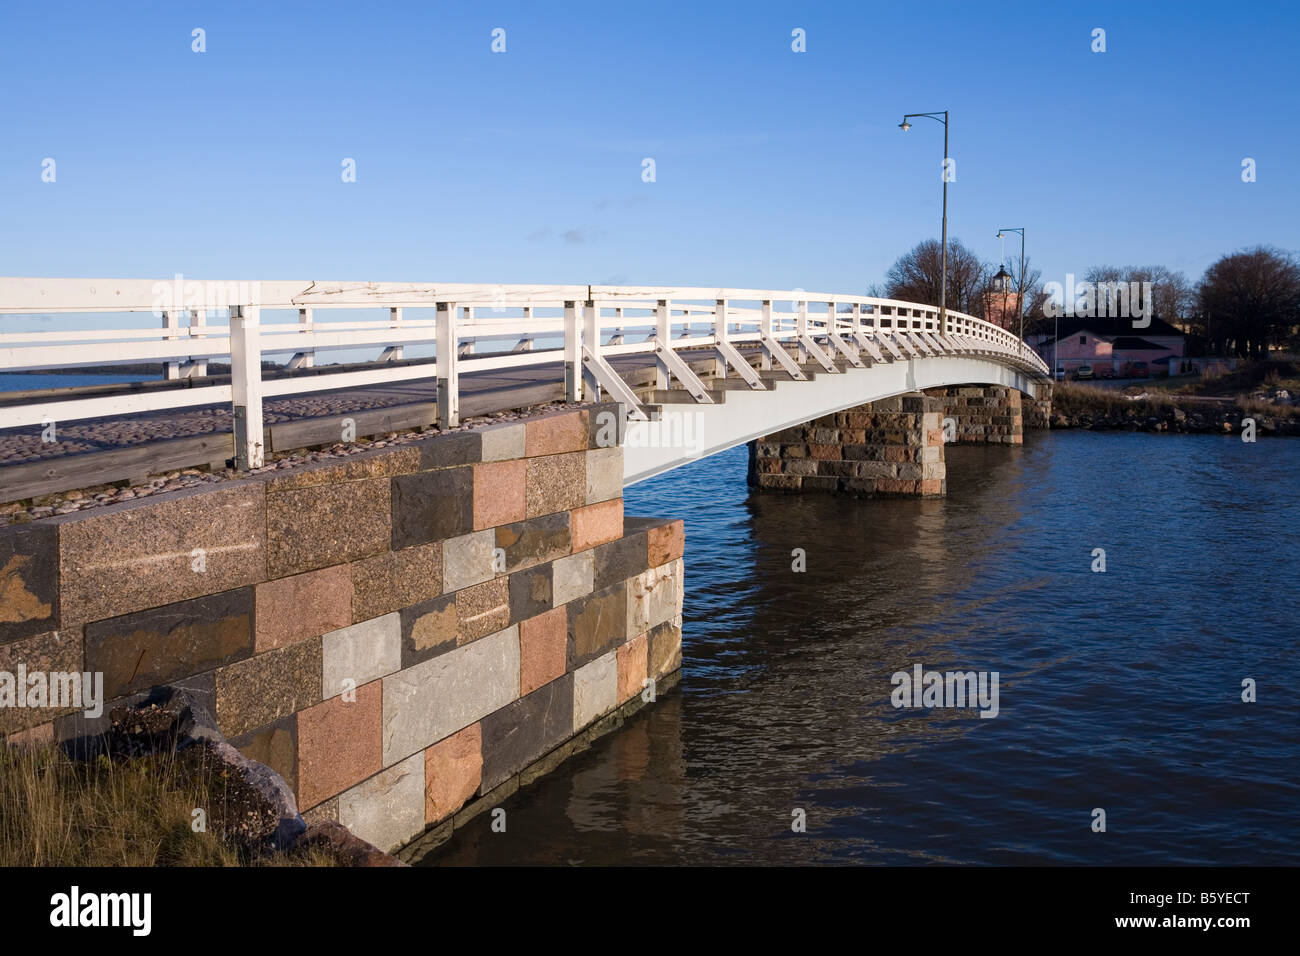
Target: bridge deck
[(102, 450)]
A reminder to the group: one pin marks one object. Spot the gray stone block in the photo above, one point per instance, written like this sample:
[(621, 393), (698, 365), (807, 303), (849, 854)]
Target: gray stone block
[(595, 689), (388, 809), (361, 653), (434, 699), (573, 577), (467, 560)]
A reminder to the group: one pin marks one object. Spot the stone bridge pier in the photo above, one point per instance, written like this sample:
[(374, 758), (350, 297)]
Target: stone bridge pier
[(893, 446)]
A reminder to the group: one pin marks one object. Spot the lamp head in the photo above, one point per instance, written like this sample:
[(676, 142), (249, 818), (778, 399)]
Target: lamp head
[(905, 126)]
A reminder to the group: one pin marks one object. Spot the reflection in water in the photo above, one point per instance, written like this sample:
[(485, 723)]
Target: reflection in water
[(1118, 690)]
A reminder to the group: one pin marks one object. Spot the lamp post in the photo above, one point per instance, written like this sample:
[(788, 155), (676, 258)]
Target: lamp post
[(943, 267), (1020, 282)]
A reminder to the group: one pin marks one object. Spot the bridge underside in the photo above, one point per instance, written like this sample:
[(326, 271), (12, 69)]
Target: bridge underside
[(893, 446), (882, 415)]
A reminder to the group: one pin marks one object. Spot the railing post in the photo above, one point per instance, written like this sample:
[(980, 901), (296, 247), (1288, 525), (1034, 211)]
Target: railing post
[(197, 366), (394, 352), (591, 339), (801, 330), (467, 347), (765, 334), (572, 353), (525, 343), (617, 337), (304, 358), (171, 322), (448, 383), (663, 339), (719, 335), (246, 385)]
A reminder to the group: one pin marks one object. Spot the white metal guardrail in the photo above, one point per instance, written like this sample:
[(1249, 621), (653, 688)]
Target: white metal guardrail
[(584, 326)]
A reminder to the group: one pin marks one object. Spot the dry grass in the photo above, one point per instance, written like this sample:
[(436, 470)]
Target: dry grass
[(56, 811), (1267, 375), (1070, 399)]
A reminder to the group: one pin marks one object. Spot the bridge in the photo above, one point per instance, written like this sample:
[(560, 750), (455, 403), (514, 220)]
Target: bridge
[(742, 362), (409, 633)]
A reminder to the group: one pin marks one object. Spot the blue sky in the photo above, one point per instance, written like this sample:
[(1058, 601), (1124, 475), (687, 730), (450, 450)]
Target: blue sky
[(775, 169)]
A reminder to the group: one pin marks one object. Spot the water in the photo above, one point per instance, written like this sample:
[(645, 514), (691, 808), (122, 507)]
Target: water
[(20, 382), (1119, 690)]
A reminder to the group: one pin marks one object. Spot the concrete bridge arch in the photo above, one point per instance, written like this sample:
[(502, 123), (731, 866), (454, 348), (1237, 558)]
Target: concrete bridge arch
[(873, 430)]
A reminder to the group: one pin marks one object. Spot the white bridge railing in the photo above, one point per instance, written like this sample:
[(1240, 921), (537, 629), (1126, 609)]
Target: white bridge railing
[(581, 326)]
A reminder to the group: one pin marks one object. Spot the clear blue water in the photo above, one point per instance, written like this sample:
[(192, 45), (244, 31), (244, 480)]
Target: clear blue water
[(21, 383), (1119, 690)]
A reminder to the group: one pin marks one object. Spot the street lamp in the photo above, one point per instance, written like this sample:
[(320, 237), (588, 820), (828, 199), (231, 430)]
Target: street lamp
[(943, 268), (1021, 281)]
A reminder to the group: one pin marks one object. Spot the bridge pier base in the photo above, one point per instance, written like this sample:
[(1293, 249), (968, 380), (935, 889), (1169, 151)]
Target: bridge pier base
[(983, 414), (893, 446)]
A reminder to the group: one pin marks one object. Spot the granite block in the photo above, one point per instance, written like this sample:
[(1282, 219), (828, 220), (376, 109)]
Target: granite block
[(535, 541), (265, 688), (596, 524), (293, 609), (339, 744), (468, 560), (530, 592), (29, 580), (604, 474), (522, 731), (556, 483), (361, 653), (595, 689), (45, 653), (323, 525), (160, 645), (482, 609), (146, 553), (621, 559), (543, 654), (429, 628), (431, 506), (498, 493), (556, 433), (597, 624), (504, 442), (276, 746), (435, 698), (388, 809), (573, 577), (453, 770), (396, 579)]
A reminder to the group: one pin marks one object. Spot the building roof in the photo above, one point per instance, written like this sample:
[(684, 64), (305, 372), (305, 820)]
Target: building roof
[(1110, 328), (1134, 343)]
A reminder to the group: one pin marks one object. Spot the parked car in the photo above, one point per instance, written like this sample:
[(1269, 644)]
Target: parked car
[(1138, 370), (1084, 373), (1060, 373), (1104, 371)]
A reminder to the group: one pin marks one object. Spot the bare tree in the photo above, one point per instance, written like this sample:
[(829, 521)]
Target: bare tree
[(1171, 294), (915, 277), (1249, 299)]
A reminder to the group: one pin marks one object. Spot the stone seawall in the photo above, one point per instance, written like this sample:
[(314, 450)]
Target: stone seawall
[(398, 634)]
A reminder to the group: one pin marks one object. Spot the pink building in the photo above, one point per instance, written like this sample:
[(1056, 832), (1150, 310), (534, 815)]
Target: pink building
[(1110, 346)]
